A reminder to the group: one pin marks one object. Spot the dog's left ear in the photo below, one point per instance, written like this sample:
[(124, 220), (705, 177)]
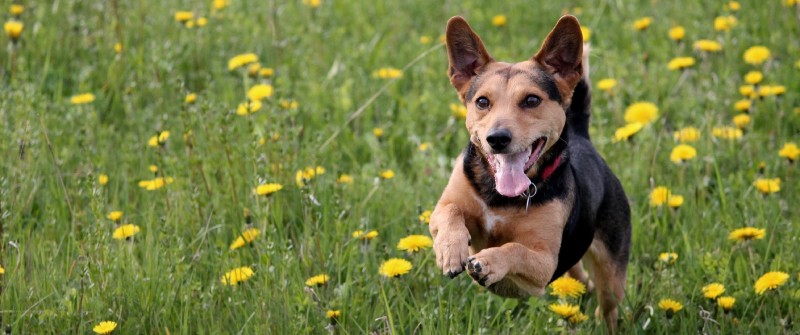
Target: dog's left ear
[(562, 51)]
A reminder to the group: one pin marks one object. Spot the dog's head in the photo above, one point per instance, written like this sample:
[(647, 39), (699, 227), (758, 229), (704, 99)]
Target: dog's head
[(515, 111)]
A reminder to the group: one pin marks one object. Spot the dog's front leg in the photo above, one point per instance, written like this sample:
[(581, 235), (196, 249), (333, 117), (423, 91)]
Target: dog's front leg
[(531, 267), (451, 239)]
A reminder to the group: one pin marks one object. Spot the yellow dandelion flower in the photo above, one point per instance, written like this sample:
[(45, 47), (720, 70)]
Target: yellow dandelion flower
[(707, 45), (586, 33), (726, 303), (266, 72), (163, 137), (102, 179), (670, 307), (190, 24), (675, 201), (790, 3), (425, 217), (13, 29), (220, 4), (201, 22), (183, 16), (104, 327), (747, 234), (289, 104), (249, 107), (741, 120), (789, 151), (459, 111), (190, 98), (767, 186), (388, 73), (253, 69), (770, 281), (643, 23), (362, 235), (155, 184), (642, 112), (395, 267), (241, 60), (425, 39), (259, 92), (2, 270), (247, 236), (378, 132), (767, 90), (318, 280), (16, 9), (659, 196), (605, 85), (125, 231), (713, 290), (332, 314), (682, 153), (152, 167), (668, 257), (567, 287), (687, 134), (680, 63), (727, 133), (733, 6), (267, 189), (753, 77), (414, 243), (237, 275), (81, 99), (499, 20), (114, 216), (345, 179), (748, 91), (577, 318), (756, 55), (724, 23), (677, 33), (386, 174), (424, 146), (118, 47), (564, 310), (312, 3)]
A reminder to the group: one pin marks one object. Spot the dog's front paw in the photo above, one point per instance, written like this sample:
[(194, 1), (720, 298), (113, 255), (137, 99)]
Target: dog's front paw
[(487, 267), (452, 251)]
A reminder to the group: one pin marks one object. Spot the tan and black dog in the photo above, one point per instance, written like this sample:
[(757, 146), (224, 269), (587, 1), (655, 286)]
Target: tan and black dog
[(530, 195)]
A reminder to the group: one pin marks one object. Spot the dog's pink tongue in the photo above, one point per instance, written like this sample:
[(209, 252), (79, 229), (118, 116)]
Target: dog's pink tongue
[(510, 174)]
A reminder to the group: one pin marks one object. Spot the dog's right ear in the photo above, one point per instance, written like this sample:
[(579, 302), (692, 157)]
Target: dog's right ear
[(466, 53)]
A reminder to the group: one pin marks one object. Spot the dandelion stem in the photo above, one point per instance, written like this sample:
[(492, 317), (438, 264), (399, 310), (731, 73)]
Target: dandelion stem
[(388, 309)]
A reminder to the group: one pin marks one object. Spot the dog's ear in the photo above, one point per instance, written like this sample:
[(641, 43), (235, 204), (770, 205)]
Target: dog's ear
[(466, 53), (562, 51)]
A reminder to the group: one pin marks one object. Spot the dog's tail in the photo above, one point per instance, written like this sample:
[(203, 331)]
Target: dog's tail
[(579, 110)]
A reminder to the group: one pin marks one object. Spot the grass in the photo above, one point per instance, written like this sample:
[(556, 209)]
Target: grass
[(64, 273)]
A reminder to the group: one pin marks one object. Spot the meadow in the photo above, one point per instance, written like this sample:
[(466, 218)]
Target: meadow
[(244, 167)]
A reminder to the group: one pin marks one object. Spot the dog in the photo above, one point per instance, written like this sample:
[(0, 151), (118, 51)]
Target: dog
[(530, 198)]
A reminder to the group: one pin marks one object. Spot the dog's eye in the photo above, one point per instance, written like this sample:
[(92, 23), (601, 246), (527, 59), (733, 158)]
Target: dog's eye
[(482, 103), (531, 101)]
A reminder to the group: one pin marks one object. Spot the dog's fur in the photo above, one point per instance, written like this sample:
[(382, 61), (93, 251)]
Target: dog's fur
[(512, 247)]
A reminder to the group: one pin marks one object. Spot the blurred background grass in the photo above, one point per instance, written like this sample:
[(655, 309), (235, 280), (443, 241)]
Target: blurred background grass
[(64, 273)]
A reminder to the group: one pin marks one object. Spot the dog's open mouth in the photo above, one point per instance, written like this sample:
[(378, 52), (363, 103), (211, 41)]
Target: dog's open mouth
[(510, 170)]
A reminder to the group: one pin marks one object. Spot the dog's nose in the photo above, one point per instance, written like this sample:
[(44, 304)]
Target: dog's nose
[(499, 139)]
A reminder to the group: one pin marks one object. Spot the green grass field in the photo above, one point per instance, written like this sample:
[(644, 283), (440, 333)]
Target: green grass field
[(64, 272)]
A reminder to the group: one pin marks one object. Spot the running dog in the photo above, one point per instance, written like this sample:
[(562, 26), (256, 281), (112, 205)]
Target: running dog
[(530, 196)]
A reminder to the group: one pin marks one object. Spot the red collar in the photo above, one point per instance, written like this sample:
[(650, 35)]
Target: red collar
[(548, 170)]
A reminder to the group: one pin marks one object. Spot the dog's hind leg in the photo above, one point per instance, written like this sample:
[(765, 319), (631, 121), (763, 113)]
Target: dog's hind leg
[(609, 279)]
